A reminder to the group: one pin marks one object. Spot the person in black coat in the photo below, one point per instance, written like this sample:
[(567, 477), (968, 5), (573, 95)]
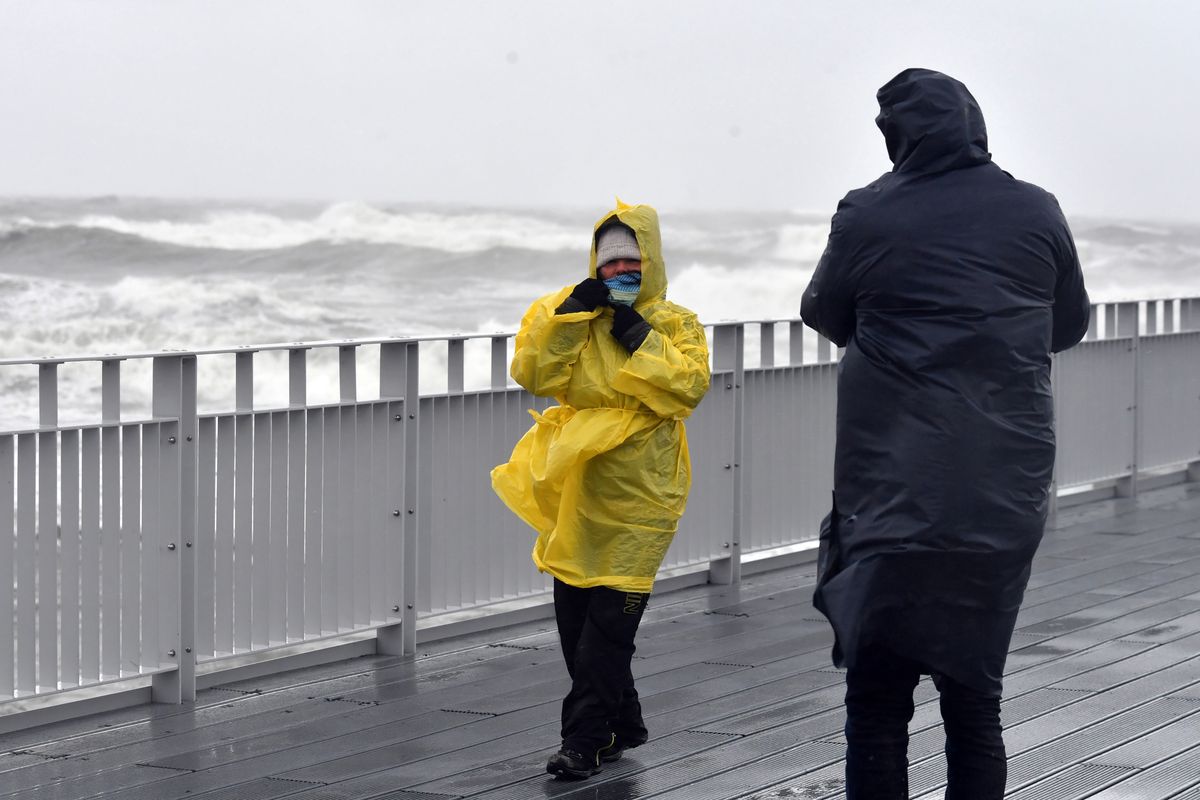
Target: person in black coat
[(949, 283)]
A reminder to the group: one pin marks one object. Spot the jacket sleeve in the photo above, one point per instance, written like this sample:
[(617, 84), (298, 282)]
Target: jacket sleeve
[(1072, 307), (548, 345), (828, 303), (669, 371)]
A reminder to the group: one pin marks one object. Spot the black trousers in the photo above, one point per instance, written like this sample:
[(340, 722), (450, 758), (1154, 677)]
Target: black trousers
[(879, 706), (596, 627)]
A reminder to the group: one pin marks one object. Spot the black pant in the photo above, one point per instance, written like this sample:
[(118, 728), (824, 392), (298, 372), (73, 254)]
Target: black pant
[(879, 706), (596, 627)]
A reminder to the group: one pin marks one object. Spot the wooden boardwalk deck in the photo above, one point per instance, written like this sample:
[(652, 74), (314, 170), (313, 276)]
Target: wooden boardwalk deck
[(1102, 699)]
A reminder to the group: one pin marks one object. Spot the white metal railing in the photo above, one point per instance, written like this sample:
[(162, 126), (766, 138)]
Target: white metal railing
[(146, 547)]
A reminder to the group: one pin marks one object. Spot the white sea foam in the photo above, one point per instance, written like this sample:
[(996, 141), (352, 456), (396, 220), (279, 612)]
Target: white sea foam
[(338, 224), (802, 243)]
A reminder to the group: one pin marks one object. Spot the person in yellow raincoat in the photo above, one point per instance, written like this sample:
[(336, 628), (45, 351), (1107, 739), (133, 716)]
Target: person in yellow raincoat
[(604, 476)]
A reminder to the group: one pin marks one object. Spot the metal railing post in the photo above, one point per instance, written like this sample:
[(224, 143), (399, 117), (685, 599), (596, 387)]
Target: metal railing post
[(189, 487), (1093, 329), (176, 600), (1129, 487), (766, 344), (110, 520), (1189, 314), (399, 377), (1052, 511), (1110, 320), (729, 355), (455, 349), (47, 527), (795, 343), (500, 362)]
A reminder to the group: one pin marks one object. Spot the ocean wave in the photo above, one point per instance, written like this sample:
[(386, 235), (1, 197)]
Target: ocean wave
[(341, 223)]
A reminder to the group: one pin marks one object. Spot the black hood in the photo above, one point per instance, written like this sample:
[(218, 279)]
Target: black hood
[(931, 123)]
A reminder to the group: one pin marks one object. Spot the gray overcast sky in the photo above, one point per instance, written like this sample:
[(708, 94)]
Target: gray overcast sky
[(692, 104)]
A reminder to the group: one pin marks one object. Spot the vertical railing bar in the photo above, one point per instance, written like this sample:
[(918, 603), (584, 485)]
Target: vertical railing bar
[(455, 360), (244, 381), (8, 508), (453, 552), (260, 568), (1127, 319), (131, 535), (90, 538), (422, 579), (296, 519), (313, 496), (766, 344), (297, 486), (348, 373), (278, 559), (380, 515), (153, 601), (206, 536), (298, 377), (242, 543), (445, 432), (493, 578), (331, 525), (224, 558), (364, 519), (47, 528), (243, 522), (26, 564), (347, 535), (795, 343), (1192, 315), (499, 362), (1093, 322), (68, 672), (110, 521)]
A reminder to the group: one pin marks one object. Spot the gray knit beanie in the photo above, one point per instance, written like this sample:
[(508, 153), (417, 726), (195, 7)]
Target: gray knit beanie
[(614, 242)]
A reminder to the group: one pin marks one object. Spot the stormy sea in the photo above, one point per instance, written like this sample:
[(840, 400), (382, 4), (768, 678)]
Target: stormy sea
[(112, 275)]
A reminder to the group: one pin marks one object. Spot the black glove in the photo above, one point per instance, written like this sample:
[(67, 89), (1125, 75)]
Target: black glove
[(587, 294), (629, 328)]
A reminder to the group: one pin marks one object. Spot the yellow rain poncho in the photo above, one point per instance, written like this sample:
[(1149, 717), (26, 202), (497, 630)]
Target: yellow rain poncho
[(604, 476)]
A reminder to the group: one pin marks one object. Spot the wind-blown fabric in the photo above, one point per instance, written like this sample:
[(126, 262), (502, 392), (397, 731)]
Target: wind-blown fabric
[(604, 476), (949, 283)]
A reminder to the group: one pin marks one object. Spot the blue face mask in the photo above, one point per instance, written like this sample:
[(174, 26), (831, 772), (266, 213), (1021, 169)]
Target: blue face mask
[(624, 288)]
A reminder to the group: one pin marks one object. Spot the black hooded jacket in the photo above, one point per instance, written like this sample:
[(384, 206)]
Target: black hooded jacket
[(949, 283)]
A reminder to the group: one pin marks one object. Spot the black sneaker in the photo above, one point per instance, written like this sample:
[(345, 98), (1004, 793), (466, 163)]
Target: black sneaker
[(570, 764)]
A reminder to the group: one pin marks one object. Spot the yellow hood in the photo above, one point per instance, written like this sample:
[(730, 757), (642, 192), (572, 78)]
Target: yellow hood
[(643, 221)]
